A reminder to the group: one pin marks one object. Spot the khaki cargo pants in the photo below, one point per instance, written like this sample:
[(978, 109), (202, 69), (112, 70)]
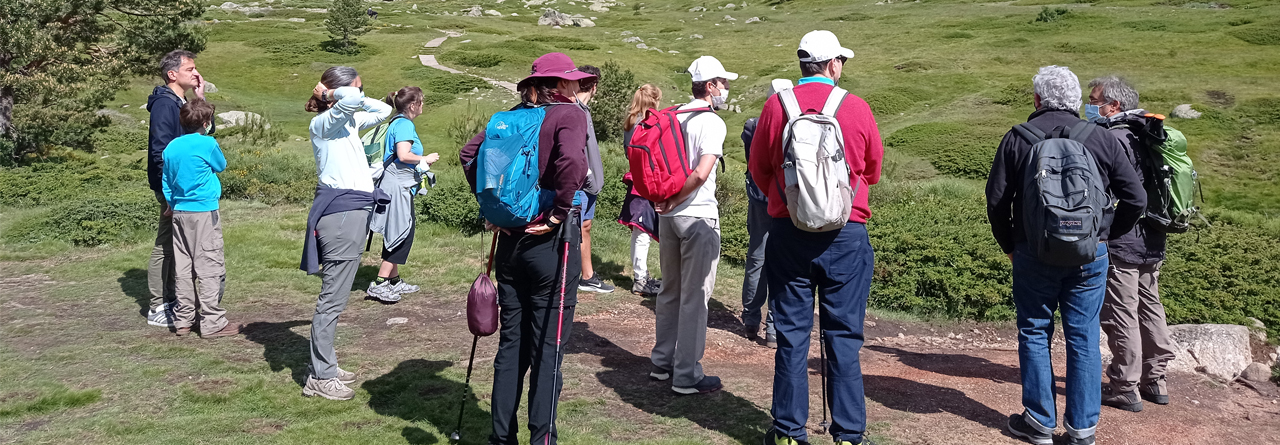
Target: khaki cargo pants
[(200, 270), (1133, 319)]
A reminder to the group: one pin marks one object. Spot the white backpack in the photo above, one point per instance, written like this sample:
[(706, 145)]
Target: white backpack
[(817, 176)]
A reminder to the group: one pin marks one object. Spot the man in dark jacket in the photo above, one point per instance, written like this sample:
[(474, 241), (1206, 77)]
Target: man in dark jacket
[(178, 69), (1039, 288), (1132, 315)]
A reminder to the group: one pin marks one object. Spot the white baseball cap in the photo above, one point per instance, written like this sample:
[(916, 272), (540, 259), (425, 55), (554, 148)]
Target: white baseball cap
[(821, 46), (706, 68)]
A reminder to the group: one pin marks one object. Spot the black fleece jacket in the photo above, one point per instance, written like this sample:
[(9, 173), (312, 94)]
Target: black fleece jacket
[(163, 104), (1004, 184)]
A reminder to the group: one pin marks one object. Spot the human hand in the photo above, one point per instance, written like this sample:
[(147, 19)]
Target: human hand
[(489, 227), (1010, 257), (319, 90), (664, 207), (431, 158), (168, 212), (199, 90), (540, 229)]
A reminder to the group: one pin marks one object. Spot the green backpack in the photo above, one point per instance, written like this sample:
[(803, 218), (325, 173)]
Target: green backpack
[(375, 142), (1168, 176)]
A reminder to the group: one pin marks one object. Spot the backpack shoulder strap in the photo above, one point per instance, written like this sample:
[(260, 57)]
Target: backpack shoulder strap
[(1029, 132), (790, 104), (1080, 131), (834, 100)]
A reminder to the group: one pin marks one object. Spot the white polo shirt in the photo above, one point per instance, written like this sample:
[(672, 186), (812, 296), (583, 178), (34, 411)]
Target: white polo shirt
[(705, 136)]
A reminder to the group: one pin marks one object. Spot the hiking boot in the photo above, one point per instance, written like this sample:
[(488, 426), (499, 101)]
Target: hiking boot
[(1127, 401), (346, 377), (595, 284), (1020, 428), (751, 332), (384, 292), (229, 330), (773, 438), (404, 288), (659, 375), (332, 389), (646, 286), (1155, 392), (1071, 440), (161, 316), (708, 384), (771, 340), (182, 331)]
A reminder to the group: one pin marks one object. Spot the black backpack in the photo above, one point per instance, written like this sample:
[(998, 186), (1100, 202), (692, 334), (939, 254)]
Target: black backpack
[(1063, 199)]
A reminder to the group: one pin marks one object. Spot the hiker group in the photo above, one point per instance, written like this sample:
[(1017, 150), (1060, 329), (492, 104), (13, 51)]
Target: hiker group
[(1081, 207)]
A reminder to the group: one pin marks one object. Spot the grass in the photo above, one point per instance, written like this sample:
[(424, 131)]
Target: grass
[(79, 367)]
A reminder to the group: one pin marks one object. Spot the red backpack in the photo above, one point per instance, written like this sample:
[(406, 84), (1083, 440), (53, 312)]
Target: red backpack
[(659, 153)]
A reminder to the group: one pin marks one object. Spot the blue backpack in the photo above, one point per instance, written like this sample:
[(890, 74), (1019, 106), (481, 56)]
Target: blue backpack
[(507, 169)]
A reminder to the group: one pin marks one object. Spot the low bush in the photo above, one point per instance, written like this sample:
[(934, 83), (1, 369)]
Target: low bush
[(1015, 95), (51, 183), (449, 83), (958, 35), (483, 59), (850, 17), (107, 216), (955, 149), (270, 174), (550, 38), (451, 202), (1050, 15), (1263, 110), (613, 96)]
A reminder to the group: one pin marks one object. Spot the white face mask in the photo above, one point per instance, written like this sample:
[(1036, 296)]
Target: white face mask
[(718, 102)]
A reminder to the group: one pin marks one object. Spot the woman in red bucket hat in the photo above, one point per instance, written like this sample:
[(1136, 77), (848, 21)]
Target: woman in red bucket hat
[(537, 266)]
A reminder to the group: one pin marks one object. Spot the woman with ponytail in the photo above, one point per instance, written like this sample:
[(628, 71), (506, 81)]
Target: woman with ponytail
[(339, 217), (638, 213), (403, 164)]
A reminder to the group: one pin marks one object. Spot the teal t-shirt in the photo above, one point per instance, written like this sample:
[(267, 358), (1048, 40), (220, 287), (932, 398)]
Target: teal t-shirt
[(402, 130), (189, 178)]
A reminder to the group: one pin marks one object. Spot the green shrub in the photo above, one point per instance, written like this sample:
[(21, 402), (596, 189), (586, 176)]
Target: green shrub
[(488, 30), (121, 139), (1050, 15), (850, 17), (430, 99), (1015, 95), (1264, 34), (484, 59), (1263, 110), (613, 96), (895, 100), (1240, 22), (550, 38), (450, 83), (574, 46), (466, 125), (955, 149), (670, 29), (532, 18), (269, 174), (451, 202), (913, 66), (934, 252), (1223, 274), (109, 216), (50, 183)]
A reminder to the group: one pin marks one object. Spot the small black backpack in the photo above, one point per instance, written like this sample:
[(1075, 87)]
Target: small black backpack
[(1063, 199)]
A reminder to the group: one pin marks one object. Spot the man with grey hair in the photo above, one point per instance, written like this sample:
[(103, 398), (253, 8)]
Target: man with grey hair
[(1040, 288), (178, 70), (1132, 315)]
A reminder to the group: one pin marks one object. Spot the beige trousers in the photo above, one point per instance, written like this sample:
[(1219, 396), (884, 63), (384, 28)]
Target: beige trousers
[(200, 270), (1133, 319)]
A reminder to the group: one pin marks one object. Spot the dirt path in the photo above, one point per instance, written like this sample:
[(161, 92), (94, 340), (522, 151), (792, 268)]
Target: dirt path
[(430, 60)]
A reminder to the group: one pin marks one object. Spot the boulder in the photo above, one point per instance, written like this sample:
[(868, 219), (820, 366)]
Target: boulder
[(493, 13), (298, 20), (552, 17), (696, 36), (697, 9), (642, 46), (1256, 372), (229, 6), (233, 118), (1185, 111), (473, 11), (632, 39), (599, 7), (752, 20), (583, 22), (728, 18), (209, 87), (1219, 350)]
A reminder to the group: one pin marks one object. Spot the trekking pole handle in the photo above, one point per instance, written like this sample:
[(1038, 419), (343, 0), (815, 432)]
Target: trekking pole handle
[(493, 247)]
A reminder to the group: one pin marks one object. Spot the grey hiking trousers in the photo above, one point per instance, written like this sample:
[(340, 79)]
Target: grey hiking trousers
[(160, 282), (689, 252), (340, 240), (1133, 319)]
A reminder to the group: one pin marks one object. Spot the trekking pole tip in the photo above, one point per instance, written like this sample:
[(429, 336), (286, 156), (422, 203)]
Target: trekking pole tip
[(455, 436)]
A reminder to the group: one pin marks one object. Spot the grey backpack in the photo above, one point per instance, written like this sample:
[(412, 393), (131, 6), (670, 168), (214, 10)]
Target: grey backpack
[(1063, 199)]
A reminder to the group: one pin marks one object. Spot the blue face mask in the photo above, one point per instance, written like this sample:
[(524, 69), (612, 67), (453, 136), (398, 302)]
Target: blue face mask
[(1092, 113)]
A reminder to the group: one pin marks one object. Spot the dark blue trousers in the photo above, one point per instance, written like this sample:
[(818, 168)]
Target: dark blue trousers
[(835, 266)]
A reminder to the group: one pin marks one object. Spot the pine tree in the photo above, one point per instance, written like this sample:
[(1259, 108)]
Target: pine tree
[(347, 19), (60, 60), (613, 96)]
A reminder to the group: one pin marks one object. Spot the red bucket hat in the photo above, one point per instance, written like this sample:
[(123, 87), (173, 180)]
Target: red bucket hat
[(556, 65)]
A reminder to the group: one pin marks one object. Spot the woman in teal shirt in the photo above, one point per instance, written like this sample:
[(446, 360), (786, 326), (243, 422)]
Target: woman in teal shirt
[(403, 164)]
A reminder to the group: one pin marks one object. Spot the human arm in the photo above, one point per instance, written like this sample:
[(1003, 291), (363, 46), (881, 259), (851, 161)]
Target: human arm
[(765, 156), (568, 162), (1000, 194), (706, 163), (467, 155), (1126, 186), (164, 127), (350, 103), (874, 155), (217, 160), (404, 152)]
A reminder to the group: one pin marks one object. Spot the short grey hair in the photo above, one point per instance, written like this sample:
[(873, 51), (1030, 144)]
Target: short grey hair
[(173, 61), (1116, 89), (1058, 88)]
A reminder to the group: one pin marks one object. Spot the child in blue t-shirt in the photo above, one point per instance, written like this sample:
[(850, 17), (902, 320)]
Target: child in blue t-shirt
[(190, 185)]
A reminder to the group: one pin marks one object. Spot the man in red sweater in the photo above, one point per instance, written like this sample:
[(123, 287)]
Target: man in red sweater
[(834, 265)]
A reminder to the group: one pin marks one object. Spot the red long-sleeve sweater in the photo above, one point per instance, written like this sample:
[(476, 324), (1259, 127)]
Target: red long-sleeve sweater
[(862, 146)]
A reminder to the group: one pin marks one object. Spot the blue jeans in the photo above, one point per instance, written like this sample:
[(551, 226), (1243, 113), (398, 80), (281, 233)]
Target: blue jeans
[(835, 267), (755, 287), (1078, 292)]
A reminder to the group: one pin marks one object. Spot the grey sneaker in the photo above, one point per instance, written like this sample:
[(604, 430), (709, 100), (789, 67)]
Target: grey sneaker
[(659, 374), (332, 389), (646, 286), (384, 292), (346, 377), (161, 316), (1155, 392), (770, 340), (708, 384), (1127, 401), (404, 288), (1071, 440), (1019, 428)]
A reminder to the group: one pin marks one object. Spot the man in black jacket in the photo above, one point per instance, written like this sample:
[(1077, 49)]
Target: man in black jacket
[(178, 69), (1132, 315), (1039, 289)]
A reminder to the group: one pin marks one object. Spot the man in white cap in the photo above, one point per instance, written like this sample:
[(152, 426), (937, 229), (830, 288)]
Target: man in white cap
[(834, 265), (689, 249)]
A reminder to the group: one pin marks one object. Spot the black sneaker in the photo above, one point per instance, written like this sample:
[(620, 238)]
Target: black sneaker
[(1079, 441), (708, 384), (1127, 401), (1155, 392), (659, 375), (1019, 428), (594, 284)]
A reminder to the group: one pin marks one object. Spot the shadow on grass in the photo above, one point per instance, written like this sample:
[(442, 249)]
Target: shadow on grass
[(134, 284), (955, 365), (624, 373), (719, 316), (921, 398), (417, 391), (281, 347)]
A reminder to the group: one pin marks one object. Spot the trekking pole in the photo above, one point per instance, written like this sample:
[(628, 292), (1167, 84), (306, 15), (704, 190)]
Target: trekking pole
[(822, 353), (457, 431), (564, 279)]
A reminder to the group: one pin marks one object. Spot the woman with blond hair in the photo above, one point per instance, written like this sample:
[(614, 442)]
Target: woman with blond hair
[(638, 213)]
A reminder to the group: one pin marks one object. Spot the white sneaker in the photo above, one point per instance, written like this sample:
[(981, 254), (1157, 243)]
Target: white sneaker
[(332, 389), (404, 288), (384, 292), (346, 377), (161, 316)]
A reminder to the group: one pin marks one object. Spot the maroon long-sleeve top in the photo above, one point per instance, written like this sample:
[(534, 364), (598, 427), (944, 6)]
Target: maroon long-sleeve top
[(562, 159)]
